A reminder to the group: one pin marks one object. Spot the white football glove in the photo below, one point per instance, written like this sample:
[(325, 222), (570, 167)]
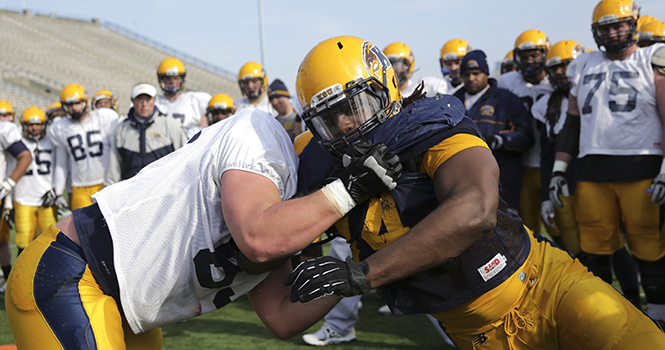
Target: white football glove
[(658, 189), (547, 212), (6, 187)]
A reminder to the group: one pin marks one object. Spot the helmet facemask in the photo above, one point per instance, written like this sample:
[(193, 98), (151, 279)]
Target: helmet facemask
[(170, 90), (530, 70), (615, 43), (30, 135), (401, 66), (345, 115), (559, 80), (74, 114)]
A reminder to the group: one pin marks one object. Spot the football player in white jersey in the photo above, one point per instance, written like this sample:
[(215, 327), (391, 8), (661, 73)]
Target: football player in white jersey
[(187, 235), (452, 53), (529, 82), (54, 112), (33, 194), (188, 107), (616, 110), (403, 61), (81, 144), (253, 82), (10, 145), (104, 99)]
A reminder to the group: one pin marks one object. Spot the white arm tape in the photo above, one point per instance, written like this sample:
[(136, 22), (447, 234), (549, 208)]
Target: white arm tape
[(339, 196)]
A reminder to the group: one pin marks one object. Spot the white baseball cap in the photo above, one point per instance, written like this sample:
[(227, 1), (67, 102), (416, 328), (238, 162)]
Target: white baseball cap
[(143, 89)]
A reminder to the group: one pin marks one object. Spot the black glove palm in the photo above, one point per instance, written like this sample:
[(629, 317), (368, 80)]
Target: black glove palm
[(369, 170), (326, 275)]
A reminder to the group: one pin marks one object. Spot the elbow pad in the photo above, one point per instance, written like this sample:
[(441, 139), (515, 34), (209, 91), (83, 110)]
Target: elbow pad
[(569, 137)]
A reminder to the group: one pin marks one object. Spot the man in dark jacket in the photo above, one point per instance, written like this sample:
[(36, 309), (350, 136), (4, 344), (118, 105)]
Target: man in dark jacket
[(145, 136), (502, 119)]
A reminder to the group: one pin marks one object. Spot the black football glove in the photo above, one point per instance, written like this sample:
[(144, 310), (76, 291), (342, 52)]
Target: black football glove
[(369, 169), (326, 275), (8, 215), (48, 199)]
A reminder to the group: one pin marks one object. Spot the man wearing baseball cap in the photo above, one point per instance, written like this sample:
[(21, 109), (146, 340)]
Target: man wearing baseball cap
[(145, 136), (502, 118), (280, 99)]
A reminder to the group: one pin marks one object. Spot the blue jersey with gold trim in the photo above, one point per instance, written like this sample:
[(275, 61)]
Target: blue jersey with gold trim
[(380, 221)]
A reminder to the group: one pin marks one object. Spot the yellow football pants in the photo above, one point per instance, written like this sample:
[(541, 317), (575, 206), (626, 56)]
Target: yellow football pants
[(30, 221), (81, 196), (530, 200), (53, 302), (552, 302), (599, 208)]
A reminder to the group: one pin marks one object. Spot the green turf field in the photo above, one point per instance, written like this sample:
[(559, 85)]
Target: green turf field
[(236, 326)]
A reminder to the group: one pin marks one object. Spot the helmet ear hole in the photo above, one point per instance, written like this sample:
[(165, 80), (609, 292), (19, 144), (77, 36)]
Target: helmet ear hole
[(339, 44)]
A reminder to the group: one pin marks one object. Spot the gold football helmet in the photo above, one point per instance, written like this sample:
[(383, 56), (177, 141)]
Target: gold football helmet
[(610, 12), (453, 51), (558, 57), (402, 59), (104, 94), (347, 87), (168, 68), (251, 71), (532, 39), (74, 93), (220, 104), (31, 116), (6, 108), (508, 64), (644, 19), (651, 33)]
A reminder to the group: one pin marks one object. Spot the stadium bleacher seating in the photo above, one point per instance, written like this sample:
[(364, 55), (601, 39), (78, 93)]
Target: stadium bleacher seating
[(43, 53)]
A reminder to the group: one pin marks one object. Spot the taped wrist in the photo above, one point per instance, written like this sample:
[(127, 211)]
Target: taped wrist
[(339, 196), (9, 184)]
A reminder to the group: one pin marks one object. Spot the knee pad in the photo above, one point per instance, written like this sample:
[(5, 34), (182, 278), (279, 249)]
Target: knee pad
[(653, 279), (599, 265)]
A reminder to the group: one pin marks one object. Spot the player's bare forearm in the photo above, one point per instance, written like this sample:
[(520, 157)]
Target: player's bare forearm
[(467, 187), (283, 318), (659, 82), (263, 226), (249, 266), (23, 161)]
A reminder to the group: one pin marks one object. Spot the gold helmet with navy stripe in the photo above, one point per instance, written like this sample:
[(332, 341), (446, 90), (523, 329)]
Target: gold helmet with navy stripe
[(220, 104), (347, 87), (6, 108), (609, 12), (171, 67), (252, 71), (402, 59), (532, 39), (31, 116), (560, 55), (651, 33), (102, 95), (74, 93)]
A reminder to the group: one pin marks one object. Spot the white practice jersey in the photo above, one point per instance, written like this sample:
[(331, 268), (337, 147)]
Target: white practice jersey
[(9, 135), (37, 180), (617, 104), (529, 94), (167, 223), (432, 86), (82, 148), (539, 110), (263, 105), (188, 108)]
